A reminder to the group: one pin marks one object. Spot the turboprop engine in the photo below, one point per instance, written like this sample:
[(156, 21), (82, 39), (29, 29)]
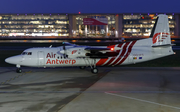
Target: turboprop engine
[(75, 52)]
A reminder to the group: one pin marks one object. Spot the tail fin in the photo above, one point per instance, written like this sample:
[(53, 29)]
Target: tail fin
[(160, 33)]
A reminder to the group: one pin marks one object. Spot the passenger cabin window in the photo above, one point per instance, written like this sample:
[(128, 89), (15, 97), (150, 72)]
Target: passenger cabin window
[(27, 53)]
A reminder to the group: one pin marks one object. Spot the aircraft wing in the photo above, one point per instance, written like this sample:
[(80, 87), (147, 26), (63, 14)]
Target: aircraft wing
[(96, 49), (69, 44), (101, 52)]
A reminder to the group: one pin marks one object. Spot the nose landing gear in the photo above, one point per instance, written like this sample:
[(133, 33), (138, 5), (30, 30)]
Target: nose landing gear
[(18, 70)]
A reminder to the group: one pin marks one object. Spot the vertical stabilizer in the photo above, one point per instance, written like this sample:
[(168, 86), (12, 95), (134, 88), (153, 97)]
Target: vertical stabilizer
[(160, 33)]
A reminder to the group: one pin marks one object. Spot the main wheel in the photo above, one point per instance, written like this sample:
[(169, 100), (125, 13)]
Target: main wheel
[(94, 70), (82, 67), (18, 70)]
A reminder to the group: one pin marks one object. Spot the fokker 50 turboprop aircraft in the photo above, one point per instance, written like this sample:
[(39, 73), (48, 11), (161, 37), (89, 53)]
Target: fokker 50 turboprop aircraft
[(158, 45)]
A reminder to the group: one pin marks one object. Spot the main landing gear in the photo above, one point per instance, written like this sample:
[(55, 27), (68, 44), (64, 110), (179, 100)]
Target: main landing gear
[(92, 65), (18, 70), (82, 67), (94, 70)]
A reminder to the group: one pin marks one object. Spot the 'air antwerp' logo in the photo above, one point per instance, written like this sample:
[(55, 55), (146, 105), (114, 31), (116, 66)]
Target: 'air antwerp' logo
[(156, 37)]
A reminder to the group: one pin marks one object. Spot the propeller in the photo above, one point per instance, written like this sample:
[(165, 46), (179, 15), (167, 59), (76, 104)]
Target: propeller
[(64, 48)]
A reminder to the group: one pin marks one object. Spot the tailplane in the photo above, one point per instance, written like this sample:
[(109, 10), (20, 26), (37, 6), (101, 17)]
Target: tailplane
[(160, 33)]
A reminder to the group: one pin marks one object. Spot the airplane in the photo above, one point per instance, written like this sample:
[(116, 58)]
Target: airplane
[(156, 46)]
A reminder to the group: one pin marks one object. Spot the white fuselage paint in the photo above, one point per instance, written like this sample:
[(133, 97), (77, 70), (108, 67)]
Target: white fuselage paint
[(49, 57)]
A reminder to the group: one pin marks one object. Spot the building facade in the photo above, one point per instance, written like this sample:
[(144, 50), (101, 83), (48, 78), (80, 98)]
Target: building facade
[(83, 25), (34, 25)]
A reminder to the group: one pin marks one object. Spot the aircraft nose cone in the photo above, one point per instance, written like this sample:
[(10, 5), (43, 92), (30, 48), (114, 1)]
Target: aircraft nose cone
[(13, 60), (7, 60)]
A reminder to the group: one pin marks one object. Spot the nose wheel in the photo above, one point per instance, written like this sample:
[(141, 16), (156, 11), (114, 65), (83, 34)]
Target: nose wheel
[(18, 70)]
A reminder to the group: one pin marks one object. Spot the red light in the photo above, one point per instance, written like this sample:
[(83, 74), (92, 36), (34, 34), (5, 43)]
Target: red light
[(142, 17), (112, 49), (79, 12)]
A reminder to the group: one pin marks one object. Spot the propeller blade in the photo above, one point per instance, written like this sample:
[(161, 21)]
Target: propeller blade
[(64, 48)]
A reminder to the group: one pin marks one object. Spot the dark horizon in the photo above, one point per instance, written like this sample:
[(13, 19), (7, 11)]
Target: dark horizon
[(104, 13), (93, 6)]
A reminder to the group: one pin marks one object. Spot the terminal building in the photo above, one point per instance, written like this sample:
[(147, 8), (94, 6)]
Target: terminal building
[(84, 25)]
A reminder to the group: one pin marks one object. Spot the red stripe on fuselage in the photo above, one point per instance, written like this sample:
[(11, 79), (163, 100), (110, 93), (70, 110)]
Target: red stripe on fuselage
[(127, 54), (109, 61), (122, 53), (101, 62), (112, 59)]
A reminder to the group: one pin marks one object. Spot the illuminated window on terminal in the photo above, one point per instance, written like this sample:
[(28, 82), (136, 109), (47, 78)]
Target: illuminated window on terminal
[(27, 24), (58, 24), (141, 24)]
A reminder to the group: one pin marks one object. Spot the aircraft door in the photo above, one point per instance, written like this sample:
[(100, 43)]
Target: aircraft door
[(40, 57)]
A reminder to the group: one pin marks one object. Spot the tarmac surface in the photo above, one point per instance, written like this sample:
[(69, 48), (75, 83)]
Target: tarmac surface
[(113, 89)]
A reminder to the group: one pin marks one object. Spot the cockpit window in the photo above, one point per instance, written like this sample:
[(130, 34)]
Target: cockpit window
[(27, 53), (23, 53)]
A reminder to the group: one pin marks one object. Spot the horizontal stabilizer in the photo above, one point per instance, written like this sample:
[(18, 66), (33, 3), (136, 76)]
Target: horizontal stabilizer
[(164, 45)]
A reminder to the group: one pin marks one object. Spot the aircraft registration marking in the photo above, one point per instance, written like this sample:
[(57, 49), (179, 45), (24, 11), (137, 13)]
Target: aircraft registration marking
[(138, 54)]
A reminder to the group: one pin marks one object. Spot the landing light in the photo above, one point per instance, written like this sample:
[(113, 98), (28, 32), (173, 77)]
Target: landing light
[(112, 49)]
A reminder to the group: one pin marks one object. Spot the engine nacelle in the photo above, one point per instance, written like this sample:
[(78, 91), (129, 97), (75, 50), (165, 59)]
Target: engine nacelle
[(80, 52), (77, 52)]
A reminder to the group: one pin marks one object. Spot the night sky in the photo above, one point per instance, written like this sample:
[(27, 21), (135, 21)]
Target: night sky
[(90, 6)]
